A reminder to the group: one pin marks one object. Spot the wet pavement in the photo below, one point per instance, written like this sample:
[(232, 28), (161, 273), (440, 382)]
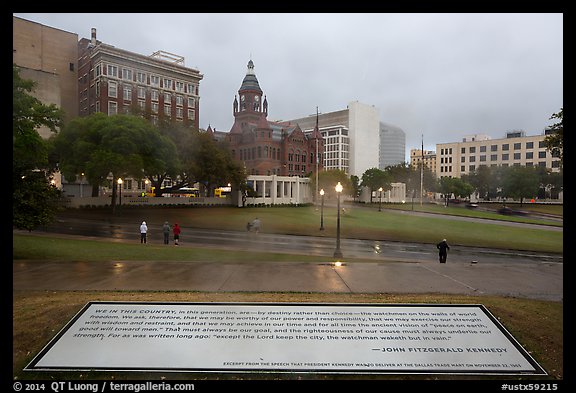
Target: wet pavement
[(381, 266), (535, 278)]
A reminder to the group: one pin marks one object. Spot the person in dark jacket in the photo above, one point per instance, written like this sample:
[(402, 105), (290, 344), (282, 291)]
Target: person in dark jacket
[(443, 248), (166, 232)]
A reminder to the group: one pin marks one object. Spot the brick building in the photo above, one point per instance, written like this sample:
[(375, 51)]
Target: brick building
[(267, 147), (113, 80)]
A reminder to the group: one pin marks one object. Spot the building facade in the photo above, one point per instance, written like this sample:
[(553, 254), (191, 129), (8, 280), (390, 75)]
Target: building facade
[(159, 86), (265, 147), (427, 156), (351, 137), (392, 146), (49, 57), (460, 158)]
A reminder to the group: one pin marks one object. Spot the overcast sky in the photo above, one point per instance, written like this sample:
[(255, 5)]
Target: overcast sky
[(443, 76)]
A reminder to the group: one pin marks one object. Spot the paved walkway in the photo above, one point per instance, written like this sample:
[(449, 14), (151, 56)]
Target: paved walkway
[(536, 280)]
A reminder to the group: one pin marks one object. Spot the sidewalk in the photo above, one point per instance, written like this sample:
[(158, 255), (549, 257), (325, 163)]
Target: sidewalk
[(536, 281)]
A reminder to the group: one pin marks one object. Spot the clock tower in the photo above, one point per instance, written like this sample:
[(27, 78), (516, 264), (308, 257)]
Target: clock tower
[(249, 106)]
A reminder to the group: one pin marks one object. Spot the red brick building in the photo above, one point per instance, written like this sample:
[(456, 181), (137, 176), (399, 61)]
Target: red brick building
[(267, 147), (113, 80)]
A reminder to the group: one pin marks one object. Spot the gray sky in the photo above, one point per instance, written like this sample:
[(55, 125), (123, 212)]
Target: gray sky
[(442, 76)]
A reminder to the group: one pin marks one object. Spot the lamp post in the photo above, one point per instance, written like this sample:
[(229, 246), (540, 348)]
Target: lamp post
[(120, 190), (322, 210), (380, 204), (337, 252), (81, 183)]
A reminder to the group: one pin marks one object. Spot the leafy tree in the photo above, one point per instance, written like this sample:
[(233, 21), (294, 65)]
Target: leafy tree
[(521, 182), (375, 178), (555, 141), (119, 145), (212, 165), (355, 182), (328, 179), (34, 199)]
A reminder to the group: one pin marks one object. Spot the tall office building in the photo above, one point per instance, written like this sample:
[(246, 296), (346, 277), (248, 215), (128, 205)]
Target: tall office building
[(392, 146), (351, 137)]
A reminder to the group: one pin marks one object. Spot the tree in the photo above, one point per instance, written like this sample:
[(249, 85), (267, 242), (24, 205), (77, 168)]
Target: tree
[(34, 199), (212, 164), (119, 145), (555, 141), (328, 179), (375, 178), (355, 183), (521, 182)]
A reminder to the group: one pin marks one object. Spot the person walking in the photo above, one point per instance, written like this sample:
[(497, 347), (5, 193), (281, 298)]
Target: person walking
[(176, 230), (143, 232), (256, 225), (166, 232), (443, 248)]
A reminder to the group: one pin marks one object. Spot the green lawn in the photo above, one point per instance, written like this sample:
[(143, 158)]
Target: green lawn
[(356, 222)]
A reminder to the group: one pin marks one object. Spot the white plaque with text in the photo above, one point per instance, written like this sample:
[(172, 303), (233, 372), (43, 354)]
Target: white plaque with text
[(285, 337)]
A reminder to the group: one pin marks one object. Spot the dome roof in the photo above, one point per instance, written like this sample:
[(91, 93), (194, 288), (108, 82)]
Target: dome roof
[(250, 81)]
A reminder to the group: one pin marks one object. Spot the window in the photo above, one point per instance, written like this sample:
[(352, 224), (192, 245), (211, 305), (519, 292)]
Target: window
[(482, 158), (482, 149), (506, 147), (493, 157), (167, 98), (154, 95), (191, 102), (112, 71), (179, 100), (142, 104), (112, 108), (141, 77), (167, 109), (127, 93), (141, 92), (463, 159), (516, 156), (112, 89), (494, 148), (529, 155), (127, 74), (71, 66), (98, 70), (529, 145), (542, 144), (155, 80), (472, 159), (472, 149), (154, 107), (191, 114), (471, 168), (179, 113), (167, 83), (517, 146), (541, 154), (505, 157), (180, 87), (463, 150)]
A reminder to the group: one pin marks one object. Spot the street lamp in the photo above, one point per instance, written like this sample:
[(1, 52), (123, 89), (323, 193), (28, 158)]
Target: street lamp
[(81, 183), (337, 252), (322, 210), (120, 190), (380, 204)]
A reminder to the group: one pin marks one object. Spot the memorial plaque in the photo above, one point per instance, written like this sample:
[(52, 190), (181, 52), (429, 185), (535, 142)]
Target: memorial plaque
[(286, 337)]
